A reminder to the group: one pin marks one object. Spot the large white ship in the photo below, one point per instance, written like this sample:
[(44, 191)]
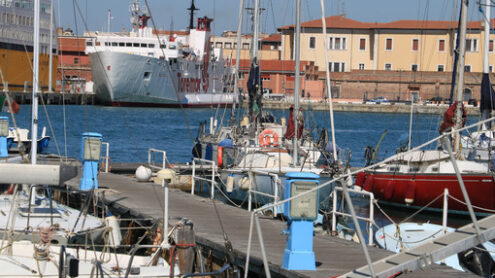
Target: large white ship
[(152, 68)]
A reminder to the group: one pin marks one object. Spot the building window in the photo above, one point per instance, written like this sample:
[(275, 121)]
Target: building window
[(440, 68), (414, 67), (490, 68), (388, 44), (415, 44), (265, 78), (76, 60), (312, 42), (471, 45), (336, 66), (245, 46), (388, 66), (218, 45), (241, 75), (121, 44), (467, 68), (128, 44), (235, 45), (490, 46), (89, 43), (362, 44), (107, 44), (337, 43), (441, 45), (114, 44), (228, 45), (361, 66)]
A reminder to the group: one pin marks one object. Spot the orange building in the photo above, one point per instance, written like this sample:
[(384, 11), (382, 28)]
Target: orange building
[(74, 68)]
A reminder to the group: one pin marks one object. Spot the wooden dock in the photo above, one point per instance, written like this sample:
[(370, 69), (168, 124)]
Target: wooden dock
[(334, 256)]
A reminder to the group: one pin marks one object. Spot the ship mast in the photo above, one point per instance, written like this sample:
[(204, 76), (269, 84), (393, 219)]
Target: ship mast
[(36, 65), (460, 78), (191, 15)]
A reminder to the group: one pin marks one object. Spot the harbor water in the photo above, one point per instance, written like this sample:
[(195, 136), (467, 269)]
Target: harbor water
[(132, 131)]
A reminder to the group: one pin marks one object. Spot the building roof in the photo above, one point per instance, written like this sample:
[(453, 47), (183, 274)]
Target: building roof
[(273, 38), (342, 22)]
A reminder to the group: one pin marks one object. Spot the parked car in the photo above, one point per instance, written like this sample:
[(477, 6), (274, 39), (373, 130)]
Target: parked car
[(379, 100)]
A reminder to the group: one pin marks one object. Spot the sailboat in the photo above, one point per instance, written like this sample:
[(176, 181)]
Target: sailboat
[(256, 154), (418, 178)]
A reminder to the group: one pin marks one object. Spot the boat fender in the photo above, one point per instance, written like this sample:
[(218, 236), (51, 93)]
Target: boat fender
[(230, 183), (360, 179), (410, 192), (244, 183), (115, 237), (143, 173), (219, 156), (389, 189), (368, 183)]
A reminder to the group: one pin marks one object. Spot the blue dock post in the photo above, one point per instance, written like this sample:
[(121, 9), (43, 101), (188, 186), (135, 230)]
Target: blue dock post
[(90, 156), (300, 214), (4, 132)]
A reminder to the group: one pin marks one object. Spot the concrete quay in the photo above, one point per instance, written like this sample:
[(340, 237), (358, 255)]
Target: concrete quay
[(347, 106)]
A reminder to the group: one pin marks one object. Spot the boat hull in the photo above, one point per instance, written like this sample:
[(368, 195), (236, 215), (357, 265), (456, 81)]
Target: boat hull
[(421, 189), (123, 79)]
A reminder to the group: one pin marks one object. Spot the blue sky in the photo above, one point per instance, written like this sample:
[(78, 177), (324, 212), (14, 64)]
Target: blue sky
[(277, 12)]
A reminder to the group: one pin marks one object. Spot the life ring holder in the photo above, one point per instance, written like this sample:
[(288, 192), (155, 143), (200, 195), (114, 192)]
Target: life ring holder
[(265, 138)]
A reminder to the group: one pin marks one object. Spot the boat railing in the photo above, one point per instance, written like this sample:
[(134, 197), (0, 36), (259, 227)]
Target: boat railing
[(150, 158), (194, 177), (107, 155), (252, 192), (370, 219)]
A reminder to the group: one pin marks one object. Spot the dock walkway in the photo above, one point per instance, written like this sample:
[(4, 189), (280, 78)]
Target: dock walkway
[(334, 256)]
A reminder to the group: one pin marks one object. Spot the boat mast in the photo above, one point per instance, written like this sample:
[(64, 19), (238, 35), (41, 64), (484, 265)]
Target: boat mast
[(327, 72), (50, 62), (460, 78), (486, 113), (36, 65), (486, 45), (256, 29), (237, 61), (296, 82)]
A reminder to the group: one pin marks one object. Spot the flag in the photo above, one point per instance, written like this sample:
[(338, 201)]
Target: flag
[(4, 104)]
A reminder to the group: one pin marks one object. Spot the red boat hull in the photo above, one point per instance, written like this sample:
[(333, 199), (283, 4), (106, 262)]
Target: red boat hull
[(421, 189)]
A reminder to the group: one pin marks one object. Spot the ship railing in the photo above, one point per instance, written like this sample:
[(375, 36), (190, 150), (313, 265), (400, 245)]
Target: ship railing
[(275, 182), (151, 162), (107, 156), (212, 179), (370, 219)]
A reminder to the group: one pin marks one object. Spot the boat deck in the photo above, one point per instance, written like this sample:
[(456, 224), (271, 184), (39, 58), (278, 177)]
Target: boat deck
[(334, 256)]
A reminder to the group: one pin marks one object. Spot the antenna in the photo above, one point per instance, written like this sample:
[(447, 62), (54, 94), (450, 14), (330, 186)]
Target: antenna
[(191, 17)]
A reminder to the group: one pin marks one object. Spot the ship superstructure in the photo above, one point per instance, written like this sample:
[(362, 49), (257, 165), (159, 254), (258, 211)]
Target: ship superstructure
[(146, 67)]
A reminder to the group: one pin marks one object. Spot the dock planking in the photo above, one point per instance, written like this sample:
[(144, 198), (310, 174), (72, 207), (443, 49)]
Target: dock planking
[(334, 256)]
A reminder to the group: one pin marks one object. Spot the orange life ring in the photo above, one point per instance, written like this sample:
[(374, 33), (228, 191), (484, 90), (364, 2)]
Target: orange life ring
[(265, 138)]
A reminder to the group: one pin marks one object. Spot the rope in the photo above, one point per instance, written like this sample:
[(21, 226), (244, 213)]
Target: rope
[(421, 209), (476, 207)]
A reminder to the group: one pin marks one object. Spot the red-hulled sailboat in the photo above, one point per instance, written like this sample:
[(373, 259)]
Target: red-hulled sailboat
[(418, 178)]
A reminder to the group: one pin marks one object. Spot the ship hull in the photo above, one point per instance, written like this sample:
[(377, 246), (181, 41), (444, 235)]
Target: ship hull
[(421, 189), (122, 79)]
